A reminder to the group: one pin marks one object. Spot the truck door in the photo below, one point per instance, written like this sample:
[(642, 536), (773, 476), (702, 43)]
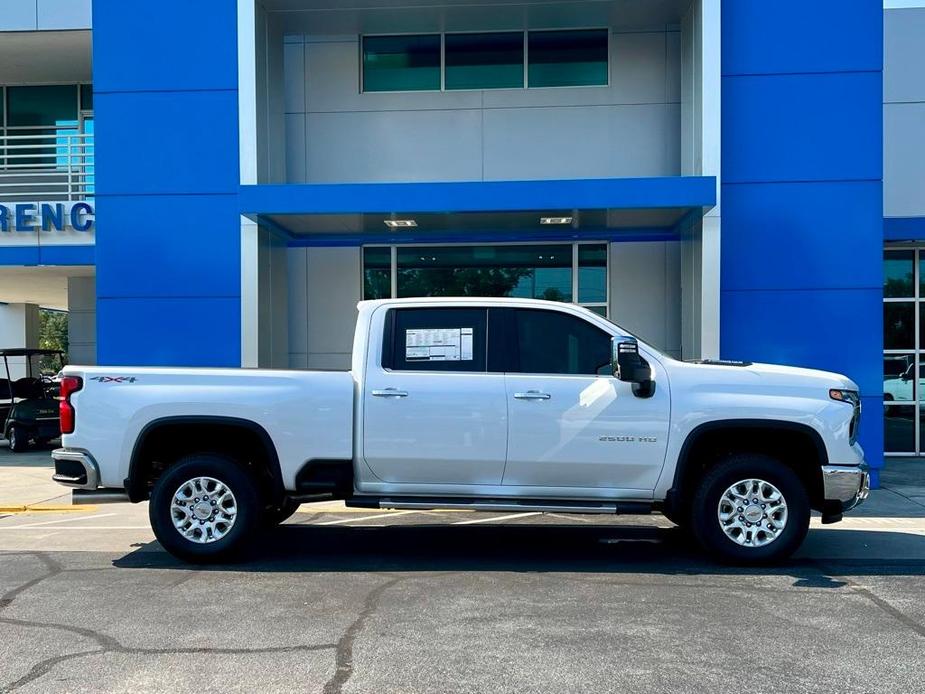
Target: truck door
[(432, 412), (572, 424)]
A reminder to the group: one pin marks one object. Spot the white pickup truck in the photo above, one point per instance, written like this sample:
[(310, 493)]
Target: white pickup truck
[(482, 404)]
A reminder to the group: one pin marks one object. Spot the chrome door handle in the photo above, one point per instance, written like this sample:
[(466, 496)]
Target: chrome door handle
[(390, 393), (532, 395)]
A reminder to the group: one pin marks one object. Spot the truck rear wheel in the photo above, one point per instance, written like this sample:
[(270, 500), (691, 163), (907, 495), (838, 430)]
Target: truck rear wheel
[(750, 509), (204, 509)]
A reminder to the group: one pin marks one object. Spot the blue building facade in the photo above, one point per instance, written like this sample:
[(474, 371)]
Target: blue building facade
[(723, 164)]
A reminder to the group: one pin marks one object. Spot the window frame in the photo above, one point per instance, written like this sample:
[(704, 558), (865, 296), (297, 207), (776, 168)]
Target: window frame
[(917, 349), (607, 81), (393, 269), (526, 59), (362, 63)]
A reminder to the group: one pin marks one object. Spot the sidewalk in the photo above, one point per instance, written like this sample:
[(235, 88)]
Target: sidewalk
[(25, 480)]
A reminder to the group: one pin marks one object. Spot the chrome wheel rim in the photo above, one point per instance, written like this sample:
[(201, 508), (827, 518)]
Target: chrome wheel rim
[(752, 512), (203, 510)]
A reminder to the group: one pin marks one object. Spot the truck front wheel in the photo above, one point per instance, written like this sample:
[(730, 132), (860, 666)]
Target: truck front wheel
[(750, 509), (204, 508)]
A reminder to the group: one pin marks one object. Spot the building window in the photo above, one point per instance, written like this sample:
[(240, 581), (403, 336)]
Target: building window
[(401, 63), (484, 61), (40, 127), (555, 272), (377, 272), (904, 350), (491, 60), (567, 58)]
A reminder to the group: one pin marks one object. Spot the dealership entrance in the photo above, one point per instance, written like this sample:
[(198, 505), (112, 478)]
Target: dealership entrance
[(303, 273)]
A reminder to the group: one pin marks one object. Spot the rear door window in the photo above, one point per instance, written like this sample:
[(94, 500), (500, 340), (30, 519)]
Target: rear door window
[(435, 339)]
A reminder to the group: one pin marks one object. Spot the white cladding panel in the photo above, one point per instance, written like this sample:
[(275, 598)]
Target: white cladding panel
[(324, 288), (903, 112)]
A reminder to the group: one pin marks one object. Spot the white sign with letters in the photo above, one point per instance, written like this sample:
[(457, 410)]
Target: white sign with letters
[(438, 344)]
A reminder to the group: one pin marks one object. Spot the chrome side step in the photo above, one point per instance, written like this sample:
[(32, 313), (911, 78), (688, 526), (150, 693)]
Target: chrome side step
[(98, 496), (507, 505)]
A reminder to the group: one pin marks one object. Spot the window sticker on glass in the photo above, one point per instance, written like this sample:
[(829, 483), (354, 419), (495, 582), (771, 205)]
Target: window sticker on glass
[(438, 344)]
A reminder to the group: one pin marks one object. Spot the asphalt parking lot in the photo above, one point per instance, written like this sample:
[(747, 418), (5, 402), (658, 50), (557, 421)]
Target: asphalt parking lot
[(339, 600)]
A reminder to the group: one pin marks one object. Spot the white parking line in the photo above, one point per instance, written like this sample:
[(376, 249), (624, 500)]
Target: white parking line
[(79, 527), (64, 520), (363, 518), (497, 518)]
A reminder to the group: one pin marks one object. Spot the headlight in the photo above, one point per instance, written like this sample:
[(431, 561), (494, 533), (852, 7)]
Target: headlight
[(853, 398), (849, 396)]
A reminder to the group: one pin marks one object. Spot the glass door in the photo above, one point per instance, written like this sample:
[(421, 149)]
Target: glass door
[(903, 324)]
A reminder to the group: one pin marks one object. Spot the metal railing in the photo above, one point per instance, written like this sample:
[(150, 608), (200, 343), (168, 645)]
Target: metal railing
[(47, 165)]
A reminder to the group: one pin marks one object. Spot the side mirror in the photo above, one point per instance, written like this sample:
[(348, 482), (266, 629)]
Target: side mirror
[(630, 367)]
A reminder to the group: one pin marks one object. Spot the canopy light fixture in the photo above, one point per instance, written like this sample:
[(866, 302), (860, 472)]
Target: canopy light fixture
[(400, 223), (555, 220)]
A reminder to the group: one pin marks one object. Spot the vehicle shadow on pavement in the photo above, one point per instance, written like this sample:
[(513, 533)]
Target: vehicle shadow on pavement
[(548, 548)]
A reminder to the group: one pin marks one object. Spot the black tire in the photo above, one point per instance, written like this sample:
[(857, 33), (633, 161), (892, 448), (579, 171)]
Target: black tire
[(236, 537), (708, 529), (275, 515), (19, 441)]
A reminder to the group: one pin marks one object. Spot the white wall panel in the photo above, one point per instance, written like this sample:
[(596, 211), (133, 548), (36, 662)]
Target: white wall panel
[(904, 55), (296, 151), (62, 14), (81, 323), (324, 288), (19, 15), (294, 77), (397, 146), (904, 160), (645, 291)]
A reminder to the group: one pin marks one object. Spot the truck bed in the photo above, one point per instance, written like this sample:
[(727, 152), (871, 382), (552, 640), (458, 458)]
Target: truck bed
[(307, 414)]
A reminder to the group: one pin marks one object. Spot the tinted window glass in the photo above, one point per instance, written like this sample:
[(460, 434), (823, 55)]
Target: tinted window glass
[(899, 428), (484, 61), (898, 274), (401, 63), (86, 97), (436, 339), (898, 325), (377, 273), (567, 58), (537, 272), (52, 105), (592, 273), (898, 383), (550, 342)]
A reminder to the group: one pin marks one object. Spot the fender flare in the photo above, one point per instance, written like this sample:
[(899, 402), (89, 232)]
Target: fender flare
[(132, 484), (719, 424)]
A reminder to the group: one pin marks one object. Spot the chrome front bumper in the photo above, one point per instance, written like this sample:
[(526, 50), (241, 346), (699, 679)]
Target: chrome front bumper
[(75, 468), (844, 486)]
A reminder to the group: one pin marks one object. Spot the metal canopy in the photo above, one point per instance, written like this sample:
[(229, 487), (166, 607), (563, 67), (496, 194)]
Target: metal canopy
[(602, 208)]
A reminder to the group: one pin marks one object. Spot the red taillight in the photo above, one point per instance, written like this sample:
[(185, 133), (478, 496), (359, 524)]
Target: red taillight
[(69, 385)]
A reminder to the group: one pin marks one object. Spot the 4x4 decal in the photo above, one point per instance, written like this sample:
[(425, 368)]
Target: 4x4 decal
[(114, 379)]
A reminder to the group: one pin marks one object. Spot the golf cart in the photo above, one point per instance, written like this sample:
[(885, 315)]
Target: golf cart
[(29, 405)]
